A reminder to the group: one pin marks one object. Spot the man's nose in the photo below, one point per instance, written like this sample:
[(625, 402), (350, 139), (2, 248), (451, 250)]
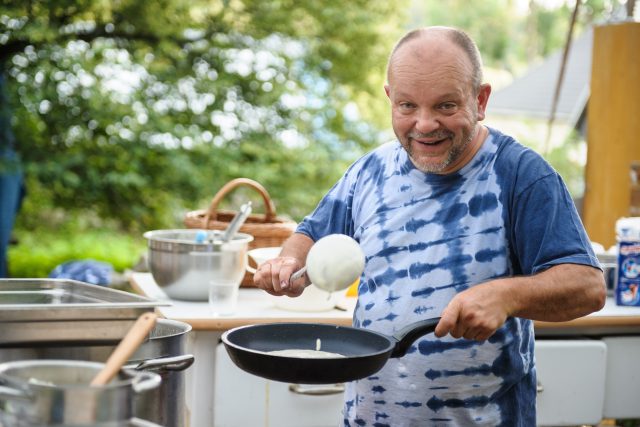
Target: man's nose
[(426, 121)]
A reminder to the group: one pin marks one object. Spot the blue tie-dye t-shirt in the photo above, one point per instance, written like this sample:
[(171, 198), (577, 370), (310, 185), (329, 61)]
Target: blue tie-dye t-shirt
[(427, 237)]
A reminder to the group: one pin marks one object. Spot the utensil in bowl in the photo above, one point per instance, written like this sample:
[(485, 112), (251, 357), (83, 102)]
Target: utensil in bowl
[(129, 344), (365, 352), (236, 222)]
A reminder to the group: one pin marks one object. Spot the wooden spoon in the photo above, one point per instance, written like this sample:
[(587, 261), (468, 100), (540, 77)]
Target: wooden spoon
[(129, 344)]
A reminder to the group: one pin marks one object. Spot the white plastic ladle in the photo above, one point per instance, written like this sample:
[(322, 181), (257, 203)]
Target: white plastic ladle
[(334, 262)]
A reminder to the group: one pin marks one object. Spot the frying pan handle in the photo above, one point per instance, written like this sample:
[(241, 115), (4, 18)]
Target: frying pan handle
[(407, 335)]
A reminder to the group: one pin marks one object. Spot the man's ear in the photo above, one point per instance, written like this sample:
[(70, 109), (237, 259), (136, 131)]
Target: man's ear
[(386, 90), (483, 99)]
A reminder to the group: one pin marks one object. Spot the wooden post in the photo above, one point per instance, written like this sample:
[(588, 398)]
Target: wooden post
[(613, 128)]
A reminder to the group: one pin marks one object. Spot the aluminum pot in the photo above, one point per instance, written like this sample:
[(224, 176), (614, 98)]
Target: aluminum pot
[(57, 393), (184, 262), (163, 353)]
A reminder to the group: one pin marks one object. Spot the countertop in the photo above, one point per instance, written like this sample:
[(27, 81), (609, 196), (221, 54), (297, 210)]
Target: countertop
[(256, 306)]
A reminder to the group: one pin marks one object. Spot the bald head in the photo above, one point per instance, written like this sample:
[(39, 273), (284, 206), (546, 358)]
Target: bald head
[(432, 39)]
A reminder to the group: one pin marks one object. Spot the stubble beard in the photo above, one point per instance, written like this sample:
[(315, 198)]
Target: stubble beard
[(453, 154)]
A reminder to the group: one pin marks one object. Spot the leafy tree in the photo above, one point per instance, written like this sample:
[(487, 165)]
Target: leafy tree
[(488, 22), (506, 36), (142, 110)]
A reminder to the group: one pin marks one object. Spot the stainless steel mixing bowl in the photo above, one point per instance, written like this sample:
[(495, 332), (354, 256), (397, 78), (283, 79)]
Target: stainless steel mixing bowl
[(184, 262)]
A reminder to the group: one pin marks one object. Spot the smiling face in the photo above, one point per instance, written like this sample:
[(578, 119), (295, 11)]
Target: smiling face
[(435, 108)]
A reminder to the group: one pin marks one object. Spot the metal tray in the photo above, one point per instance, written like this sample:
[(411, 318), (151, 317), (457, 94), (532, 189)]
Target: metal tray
[(42, 311)]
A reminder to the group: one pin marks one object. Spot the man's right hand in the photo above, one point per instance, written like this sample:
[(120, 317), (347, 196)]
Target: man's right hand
[(273, 276)]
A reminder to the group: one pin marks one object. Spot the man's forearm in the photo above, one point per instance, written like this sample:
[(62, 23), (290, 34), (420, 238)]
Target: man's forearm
[(297, 246), (561, 293)]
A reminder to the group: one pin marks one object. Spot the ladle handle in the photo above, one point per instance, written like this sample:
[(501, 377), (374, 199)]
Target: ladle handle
[(407, 335), (129, 344), (298, 274)]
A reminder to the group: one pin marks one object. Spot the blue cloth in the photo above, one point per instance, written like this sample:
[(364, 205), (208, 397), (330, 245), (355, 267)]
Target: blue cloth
[(427, 237), (11, 193), (89, 271)]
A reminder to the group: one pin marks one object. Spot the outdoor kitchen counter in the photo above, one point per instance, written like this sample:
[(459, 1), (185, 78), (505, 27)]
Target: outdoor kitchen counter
[(256, 306)]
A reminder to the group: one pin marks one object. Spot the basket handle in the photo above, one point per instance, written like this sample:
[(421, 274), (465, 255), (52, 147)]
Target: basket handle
[(212, 212)]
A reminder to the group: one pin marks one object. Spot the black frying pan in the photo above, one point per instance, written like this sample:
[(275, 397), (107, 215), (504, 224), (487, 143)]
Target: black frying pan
[(365, 351)]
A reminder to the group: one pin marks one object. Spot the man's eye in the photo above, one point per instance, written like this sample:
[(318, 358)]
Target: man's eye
[(406, 105), (447, 106)]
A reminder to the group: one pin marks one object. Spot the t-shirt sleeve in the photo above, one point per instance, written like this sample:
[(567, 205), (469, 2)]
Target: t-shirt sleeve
[(334, 212), (546, 228)]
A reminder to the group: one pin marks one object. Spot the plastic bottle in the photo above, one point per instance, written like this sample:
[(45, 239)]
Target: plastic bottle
[(628, 284)]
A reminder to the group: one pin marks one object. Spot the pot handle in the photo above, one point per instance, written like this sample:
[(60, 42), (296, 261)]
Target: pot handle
[(144, 381), (324, 390), (137, 422), (9, 393), (247, 267), (407, 335), (311, 390), (176, 363)]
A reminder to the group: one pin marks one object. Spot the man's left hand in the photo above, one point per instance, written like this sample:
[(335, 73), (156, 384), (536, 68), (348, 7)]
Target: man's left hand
[(474, 314)]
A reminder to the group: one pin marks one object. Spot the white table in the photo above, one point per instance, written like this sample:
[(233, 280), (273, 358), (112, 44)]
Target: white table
[(256, 306)]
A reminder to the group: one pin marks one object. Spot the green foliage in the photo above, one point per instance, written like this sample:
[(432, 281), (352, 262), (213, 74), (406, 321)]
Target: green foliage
[(628, 423), (488, 22), (566, 160), (506, 36), (38, 253), (127, 114), (140, 111)]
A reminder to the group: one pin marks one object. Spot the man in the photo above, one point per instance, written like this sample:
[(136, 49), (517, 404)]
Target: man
[(459, 221), (11, 179)]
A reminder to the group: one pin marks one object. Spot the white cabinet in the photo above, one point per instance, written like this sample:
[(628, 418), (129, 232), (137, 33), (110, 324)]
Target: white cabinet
[(622, 399), (242, 399), (571, 381)]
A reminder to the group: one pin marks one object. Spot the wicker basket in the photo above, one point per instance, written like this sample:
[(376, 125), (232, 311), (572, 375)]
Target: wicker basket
[(267, 229)]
